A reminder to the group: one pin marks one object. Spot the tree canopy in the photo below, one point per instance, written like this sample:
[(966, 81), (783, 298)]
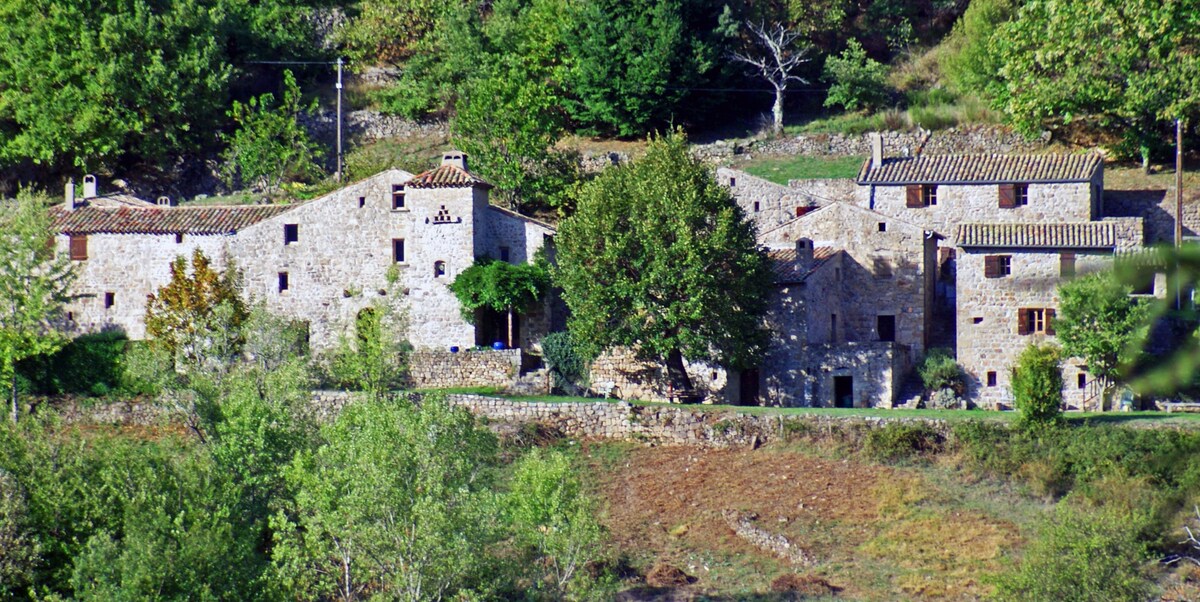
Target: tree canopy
[(1100, 322), (659, 257)]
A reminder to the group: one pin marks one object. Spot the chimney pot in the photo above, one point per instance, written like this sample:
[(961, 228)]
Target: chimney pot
[(69, 194), (876, 150), (456, 158), (89, 186), (164, 201), (804, 250)]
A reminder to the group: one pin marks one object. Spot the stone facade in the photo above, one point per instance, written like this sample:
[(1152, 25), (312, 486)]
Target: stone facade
[(766, 203), (468, 368), (388, 239), (619, 373)]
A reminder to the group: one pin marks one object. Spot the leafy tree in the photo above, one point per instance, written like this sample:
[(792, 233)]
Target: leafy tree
[(89, 82), (1037, 385), (179, 316), (857, 81), (270, 146), (1052, 78), (398, 499), (567, 365), (773, 53), (554, 523), (33, 287), (374, 360), (18, 545), (502, 287), (971, 61), (1100, 322), (659, 257), (389, 31), (938, 371)]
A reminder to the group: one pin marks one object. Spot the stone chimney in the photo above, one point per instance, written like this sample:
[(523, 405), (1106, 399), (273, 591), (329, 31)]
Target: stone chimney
[(804, 251), (69, 194), (876, 149), (163, 201), (456, 158), (89, 187)]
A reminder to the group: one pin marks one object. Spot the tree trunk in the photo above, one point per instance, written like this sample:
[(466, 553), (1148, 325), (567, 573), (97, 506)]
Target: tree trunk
[(510, 328), (15, 407), (677, 376), (777, 112), (1145, 151)]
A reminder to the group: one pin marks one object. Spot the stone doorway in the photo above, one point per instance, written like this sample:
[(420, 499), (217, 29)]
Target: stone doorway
[(492, 326), (843, 391), (748, 387)]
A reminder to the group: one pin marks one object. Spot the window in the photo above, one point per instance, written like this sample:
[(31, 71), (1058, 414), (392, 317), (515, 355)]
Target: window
[(1066, 264), (1035, 320), (1013, 195), (362, 202), (886, 327), (179, 239), (397, 196), (439, 269), (920, 195), (833, 327), (991, 378), (756, 206), (977, 320), (504, 253), (110, 299), (283, 281), (1144, 286), (291, 233), (79, 247), (398, 250), (1081, 380), (732, 182), (997, 266), (883, 226)]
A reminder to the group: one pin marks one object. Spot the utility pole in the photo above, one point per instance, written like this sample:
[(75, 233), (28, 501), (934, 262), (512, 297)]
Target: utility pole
[(338, 174), (1178, 206)]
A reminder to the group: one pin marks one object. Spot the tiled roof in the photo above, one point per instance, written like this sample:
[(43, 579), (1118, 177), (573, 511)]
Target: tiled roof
[(164, 220), (114, 200), (446, 176), (980, 169), (1081, 235), (787, 269)]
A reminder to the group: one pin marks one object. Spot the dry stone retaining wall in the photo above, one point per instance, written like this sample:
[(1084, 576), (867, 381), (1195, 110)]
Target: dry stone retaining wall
[(470, 368)]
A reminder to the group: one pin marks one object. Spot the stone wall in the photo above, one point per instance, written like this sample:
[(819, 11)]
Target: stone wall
[(1157, 208), (620, 374), (367, 125), (766, 203), (960, 140), (468, 368)]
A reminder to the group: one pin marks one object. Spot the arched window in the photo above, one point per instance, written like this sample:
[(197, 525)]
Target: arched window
[(439, 268)]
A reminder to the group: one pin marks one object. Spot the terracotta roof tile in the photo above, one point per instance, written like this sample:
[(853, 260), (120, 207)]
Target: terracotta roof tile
[(1080, 235), (787, 268), (160, 220), (446, 176), (981, 169)]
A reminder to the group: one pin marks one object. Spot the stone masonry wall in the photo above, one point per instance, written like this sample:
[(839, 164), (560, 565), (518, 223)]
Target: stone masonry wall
[(468, 368), (620, 372)]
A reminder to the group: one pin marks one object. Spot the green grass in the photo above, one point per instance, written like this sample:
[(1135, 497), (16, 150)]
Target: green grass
[(782, 169)]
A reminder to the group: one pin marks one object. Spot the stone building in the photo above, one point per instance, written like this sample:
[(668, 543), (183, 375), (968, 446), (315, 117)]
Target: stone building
[(393, 238)]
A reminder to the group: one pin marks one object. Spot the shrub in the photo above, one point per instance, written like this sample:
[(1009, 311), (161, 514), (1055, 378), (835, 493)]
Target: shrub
[(858, 82), (1037, 385), (92, 364), (567, 365), (938, 370), (1080, 556), (898, 441), (946, 399)]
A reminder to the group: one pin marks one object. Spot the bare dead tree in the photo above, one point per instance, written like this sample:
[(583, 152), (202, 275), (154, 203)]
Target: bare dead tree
[(1191, 541), (773, 53)]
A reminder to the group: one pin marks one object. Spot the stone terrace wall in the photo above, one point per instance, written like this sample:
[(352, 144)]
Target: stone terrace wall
[(618, 372), (442, 369)]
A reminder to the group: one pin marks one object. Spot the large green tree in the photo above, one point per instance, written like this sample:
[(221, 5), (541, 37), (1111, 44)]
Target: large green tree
[(1126, 68), (659, 257), (1100, 322), (269, 145), (502, 287), (34, 281)]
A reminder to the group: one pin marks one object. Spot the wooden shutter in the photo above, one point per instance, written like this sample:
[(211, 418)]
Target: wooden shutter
[(991, 266), (912, 196), (79, 247), (1022, 321), (1049, 321), (1008, 196)]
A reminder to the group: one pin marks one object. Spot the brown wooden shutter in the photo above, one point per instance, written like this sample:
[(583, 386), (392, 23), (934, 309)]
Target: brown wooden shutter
[(1022, 321), (913, 196), (1049, 321), (1008, 196), (991, 266), (79, 247)]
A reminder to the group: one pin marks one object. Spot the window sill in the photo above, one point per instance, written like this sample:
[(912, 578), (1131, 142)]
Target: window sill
[(401, 210)]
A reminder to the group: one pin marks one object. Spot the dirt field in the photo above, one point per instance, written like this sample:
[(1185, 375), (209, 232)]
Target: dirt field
[(869, 532)]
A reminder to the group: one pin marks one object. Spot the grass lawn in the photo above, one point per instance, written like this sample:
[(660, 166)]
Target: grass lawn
[(782, 169)]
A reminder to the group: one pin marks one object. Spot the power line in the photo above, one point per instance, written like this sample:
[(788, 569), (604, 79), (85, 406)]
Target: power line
[(337, 174)]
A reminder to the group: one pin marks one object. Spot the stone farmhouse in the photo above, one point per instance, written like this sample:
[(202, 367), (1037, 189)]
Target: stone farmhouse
[(393, 238)]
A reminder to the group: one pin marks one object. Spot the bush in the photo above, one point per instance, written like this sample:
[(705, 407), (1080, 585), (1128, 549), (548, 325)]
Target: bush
[(897, 441), (1037, 385), (567, 365), (858, 82), (946, 399), (92, 364), (1081, 556), (938, 371)]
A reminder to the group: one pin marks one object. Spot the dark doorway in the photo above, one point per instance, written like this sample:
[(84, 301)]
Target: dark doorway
[(843, 391), (886, 326), (492, 326), (748, 387)]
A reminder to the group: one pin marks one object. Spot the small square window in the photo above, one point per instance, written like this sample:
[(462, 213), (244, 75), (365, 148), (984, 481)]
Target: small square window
[(977, 320), (439, 269), (362, 202), (397, 196), (291, 233), (110, 299), (179, 239), (283, 281), (997, 266), (1081, 380), (79, 247), (504, 254), (756, 206), (929, 194), (398, 250), (991, 379), (883, 226), (885, 326), (1021, 194), (1066, 264), (732, 182)]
